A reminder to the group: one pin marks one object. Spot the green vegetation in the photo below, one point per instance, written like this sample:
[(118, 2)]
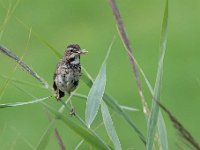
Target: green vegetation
[(35, 34)]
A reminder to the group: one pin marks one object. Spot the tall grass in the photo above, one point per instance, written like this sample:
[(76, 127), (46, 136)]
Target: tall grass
[(99, 99)]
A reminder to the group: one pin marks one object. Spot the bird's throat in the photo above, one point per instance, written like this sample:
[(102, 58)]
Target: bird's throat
[(75, 60)]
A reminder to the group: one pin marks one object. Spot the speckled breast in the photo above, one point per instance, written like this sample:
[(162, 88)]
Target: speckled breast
[(68, 77)]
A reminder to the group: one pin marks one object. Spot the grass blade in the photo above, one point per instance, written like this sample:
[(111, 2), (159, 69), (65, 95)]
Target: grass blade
[(95, 96), (110, 101), (129, 108), (109, 126), (162, 132), (96, 92), (23, 103), (46, 136), (87, 134), (152, 122), (79, 144)]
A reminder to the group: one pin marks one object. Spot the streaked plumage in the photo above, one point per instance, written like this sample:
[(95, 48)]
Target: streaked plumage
[(68, 71)]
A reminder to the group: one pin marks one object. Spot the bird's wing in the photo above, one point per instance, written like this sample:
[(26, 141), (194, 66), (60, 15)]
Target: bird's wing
[(54, 76), (54, 86)]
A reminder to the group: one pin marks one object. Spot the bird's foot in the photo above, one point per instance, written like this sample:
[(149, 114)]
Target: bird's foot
[(58, 98), (72, 112)]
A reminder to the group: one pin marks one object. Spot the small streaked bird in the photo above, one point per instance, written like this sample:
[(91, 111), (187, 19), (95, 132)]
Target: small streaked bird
[(68, 71)]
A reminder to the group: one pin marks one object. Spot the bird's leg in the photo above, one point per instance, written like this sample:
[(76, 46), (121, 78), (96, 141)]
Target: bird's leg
[(72, 112), (57, 95)]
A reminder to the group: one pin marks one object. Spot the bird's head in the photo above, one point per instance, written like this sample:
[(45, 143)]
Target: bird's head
[(74, 50)]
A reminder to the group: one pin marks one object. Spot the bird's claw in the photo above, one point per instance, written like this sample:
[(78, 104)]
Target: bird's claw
[(72, 112)]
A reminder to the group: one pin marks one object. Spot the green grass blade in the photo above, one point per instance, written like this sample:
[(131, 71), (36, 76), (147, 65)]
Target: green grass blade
[(110, 127), (95, 96), (87, 76), (161, 124), (79, 144), (87, 134), (46, 136), (128, 108), (112, 102), (152, 122), (96, 92), (23, 103), (86, 79), (162, 132)]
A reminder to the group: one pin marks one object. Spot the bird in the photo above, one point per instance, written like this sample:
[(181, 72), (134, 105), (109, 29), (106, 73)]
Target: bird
[(68, 71)]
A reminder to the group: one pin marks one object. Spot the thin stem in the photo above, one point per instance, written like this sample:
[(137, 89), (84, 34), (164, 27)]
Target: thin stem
[(9, 53), (182, 130), (124, 38)]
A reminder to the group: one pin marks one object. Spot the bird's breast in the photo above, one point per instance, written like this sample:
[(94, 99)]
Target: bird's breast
[(67, 77)]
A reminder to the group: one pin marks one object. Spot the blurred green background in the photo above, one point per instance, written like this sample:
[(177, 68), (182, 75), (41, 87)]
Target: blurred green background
[(91, 24)]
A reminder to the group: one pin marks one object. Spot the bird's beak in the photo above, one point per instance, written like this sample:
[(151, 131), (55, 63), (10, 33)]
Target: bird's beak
[(83, 51)]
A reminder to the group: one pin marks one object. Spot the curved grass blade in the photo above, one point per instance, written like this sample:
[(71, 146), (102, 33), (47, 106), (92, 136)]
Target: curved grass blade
[(152, 122), (109, 127), (46, 136), (95, 96), (87, 134), (96, 92), (112, 102), (23, 103)]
